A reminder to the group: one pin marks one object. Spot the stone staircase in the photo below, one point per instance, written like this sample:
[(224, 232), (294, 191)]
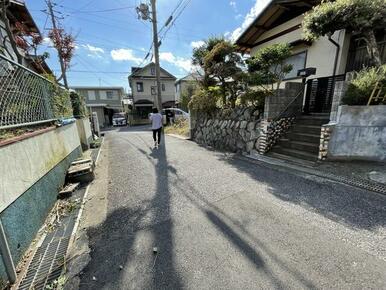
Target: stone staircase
[(302, 140)]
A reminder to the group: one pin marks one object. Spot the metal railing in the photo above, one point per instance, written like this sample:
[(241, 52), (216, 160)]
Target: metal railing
[(26, 98), (294, 107)]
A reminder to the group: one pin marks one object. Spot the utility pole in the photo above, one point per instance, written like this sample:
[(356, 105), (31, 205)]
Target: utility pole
[(156, 55), (62, 67), (143, 12)]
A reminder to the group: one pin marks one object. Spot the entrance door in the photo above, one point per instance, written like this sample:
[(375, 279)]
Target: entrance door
[(320, 93)]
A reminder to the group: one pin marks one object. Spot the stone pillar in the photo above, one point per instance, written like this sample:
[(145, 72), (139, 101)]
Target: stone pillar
[(325, 135), (339, 91)]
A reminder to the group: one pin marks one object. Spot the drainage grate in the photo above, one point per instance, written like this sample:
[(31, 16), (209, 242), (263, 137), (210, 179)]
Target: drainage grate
[(46, 265), (353, 181), (49, 259)]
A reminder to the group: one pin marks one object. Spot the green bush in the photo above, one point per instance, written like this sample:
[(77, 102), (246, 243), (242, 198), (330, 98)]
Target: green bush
[(205, 100), (78, 105), (252, 97), (359, 90)]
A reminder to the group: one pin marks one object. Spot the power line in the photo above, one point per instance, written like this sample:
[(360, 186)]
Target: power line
[(87, 64), (170, 17), (175, 19), (99, 11)]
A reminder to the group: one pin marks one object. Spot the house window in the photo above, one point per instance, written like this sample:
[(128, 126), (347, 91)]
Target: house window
[(152, 71), (109, 95), (153, 90), (163, 87), (91, 95), (139, 86), (298, 61)]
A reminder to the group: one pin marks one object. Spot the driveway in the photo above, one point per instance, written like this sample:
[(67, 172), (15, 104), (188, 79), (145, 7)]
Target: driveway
[(220, 222)]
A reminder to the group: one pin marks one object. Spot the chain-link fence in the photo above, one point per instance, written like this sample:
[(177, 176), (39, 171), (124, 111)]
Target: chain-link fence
[(27, 98)]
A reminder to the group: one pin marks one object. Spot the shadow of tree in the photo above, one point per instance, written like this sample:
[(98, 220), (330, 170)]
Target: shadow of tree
[(217, 217)]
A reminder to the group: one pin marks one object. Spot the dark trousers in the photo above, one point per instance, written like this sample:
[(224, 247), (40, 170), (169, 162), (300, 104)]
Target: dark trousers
[(157, 133)]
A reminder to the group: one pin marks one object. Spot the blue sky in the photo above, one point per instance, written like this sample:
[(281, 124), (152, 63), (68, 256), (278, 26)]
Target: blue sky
[(109, 43)]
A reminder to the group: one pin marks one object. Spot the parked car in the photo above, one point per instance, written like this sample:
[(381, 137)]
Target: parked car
[(175, 113), (119, 119)]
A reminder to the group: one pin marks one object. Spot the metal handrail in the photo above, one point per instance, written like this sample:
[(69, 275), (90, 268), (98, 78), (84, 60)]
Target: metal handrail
[(300, 93)]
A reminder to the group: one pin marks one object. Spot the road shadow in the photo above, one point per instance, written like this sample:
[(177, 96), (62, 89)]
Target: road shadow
[(247, 244), (113, 244), (344, 204)]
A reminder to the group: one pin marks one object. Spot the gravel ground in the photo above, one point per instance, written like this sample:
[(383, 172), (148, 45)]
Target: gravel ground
[(219, 222)]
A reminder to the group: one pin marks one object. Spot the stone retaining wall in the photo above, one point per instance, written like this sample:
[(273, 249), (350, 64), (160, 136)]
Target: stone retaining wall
[(235, 130)]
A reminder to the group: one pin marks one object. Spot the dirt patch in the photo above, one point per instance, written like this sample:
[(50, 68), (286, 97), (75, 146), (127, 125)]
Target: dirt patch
[(180, 127)]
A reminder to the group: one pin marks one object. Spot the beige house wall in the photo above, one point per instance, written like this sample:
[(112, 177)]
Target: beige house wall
[(321, 54), (101, 97), (101, 115), (167, 95), (183, 86)]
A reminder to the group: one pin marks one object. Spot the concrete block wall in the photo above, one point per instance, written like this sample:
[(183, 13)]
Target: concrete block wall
[(84, 132), (359, 134), (340, 90), (34, 172)]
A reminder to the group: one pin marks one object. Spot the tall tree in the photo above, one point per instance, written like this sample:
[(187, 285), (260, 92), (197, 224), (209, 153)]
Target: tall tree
[(222, 66), (357, 16), (65, 45)]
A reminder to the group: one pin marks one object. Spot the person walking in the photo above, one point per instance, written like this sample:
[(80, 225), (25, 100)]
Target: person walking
[(156, 126)]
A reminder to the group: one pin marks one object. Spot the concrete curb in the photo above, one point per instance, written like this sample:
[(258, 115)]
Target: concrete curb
[(84, 200), (352, 181), (179, 136)]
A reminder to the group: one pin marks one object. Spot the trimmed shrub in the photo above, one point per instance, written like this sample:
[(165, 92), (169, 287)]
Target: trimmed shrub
[(359, 90)]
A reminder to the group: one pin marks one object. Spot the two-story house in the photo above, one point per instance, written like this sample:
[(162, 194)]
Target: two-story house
[(143, 86), (105, 101), (186, 86)]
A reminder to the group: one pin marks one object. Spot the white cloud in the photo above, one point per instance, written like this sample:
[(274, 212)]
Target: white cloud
[(248, 19), (196, 44), (94, 55), (93, 49), (238, 16), (125, 54), (182, 63), (48, 41)]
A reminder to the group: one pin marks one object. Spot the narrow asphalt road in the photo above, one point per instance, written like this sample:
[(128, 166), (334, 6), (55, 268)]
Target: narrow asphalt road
[(219, 222)]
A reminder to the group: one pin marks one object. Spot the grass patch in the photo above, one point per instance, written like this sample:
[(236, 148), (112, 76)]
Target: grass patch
[(11, 133), (180, 127)]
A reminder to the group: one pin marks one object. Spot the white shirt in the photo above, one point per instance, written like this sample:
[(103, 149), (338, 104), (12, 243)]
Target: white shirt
[(156, 121)]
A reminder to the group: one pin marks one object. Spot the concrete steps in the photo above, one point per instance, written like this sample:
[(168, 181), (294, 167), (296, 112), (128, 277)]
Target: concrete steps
[(303, 139), (299, 145), (308, 129), (295, 153)]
